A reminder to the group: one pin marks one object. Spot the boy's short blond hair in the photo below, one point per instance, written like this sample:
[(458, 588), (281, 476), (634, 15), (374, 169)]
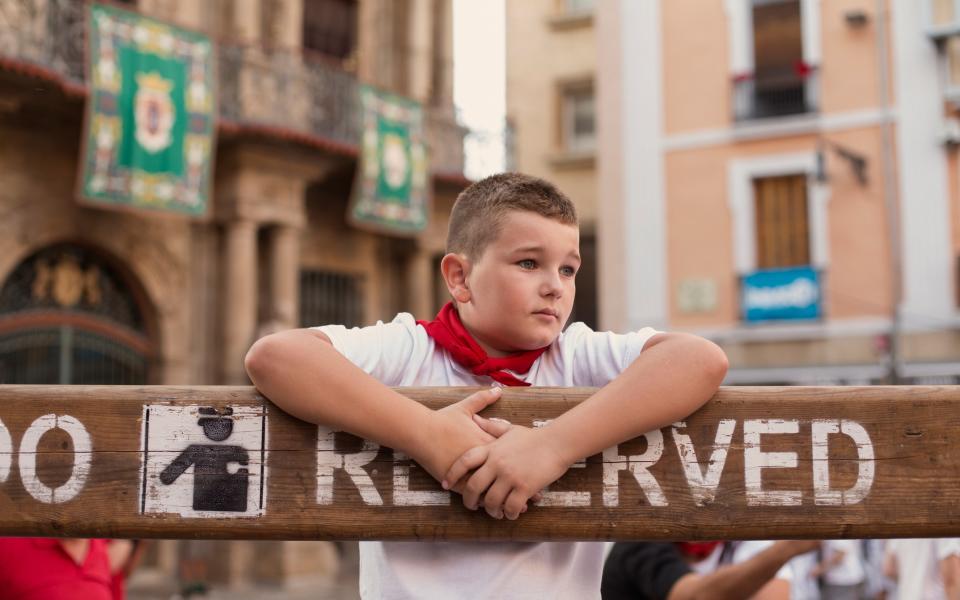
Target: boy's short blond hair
[(479, 210)]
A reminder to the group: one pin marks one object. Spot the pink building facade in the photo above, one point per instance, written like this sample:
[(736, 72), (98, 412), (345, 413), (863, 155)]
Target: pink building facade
[(781, 176)]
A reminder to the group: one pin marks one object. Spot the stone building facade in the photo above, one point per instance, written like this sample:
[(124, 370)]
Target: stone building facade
[(89, 295)]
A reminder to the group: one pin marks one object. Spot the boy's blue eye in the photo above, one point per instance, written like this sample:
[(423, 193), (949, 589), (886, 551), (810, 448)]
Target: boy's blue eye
[(568, 271), (527, 264)]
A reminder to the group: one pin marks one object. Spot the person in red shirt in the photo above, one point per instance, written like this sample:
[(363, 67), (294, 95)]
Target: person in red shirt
[(55, 569)]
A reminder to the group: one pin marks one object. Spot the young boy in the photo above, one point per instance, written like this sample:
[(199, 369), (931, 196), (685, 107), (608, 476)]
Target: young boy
[(513, 254)]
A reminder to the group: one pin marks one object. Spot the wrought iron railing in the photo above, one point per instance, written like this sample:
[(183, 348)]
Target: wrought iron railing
[(279, 90), (292, 91), (775, 94), (48, 34)]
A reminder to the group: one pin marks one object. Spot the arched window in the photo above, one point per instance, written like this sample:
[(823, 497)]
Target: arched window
[(68, 317)]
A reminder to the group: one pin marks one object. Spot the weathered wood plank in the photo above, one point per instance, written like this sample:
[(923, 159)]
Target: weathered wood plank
[(754, 463)]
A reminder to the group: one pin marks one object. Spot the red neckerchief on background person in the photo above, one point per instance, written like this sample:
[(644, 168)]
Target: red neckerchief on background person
[(697, 551), (449, 333)]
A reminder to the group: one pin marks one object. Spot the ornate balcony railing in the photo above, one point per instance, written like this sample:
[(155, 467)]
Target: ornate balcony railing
[(45, 34), (761, 96), (280, 91), (295, 92)]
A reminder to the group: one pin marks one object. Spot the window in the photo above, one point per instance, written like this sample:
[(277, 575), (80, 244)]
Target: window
[(577, 118), (330, 27), (952, 71), (330, 298), (782, 227), (585, 305), (781, 80), (67, 317)]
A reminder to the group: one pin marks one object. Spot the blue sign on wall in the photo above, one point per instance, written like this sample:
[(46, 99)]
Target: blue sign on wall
[(781, 294)]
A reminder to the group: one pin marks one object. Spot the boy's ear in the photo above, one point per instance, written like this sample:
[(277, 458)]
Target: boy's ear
[(454, 268)]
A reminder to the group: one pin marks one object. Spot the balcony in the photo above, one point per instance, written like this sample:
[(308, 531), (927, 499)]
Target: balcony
[(289, 94), (45, 38), (943, 18), (775, 94)]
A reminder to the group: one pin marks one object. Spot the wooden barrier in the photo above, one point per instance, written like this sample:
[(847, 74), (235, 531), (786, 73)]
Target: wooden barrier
[(222, 462)]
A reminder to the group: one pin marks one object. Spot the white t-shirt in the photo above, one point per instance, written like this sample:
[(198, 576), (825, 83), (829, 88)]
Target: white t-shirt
[(804, 586), (401, 354), (850, 570), (918, 566)]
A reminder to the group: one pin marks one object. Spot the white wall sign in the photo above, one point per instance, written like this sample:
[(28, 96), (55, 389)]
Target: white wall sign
[(204, 462)]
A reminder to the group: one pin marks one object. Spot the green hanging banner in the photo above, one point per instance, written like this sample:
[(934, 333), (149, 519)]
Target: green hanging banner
[(391, 193), (150, 122)]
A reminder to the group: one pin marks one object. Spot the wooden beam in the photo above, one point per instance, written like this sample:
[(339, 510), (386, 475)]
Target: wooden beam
[(222, 462)]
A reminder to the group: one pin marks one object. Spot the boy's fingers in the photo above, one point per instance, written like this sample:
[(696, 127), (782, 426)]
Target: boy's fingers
[(458, 486), (478, 401), (495, 427), (476, 486), (468, 461), (494, 498), (515, 504)]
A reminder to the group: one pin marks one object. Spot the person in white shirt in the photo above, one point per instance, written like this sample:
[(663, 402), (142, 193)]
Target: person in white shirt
[(841, 570), (924, 569), (512, 257)]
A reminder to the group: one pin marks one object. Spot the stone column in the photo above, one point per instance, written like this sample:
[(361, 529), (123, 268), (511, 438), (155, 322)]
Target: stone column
[(420, 52), (245, 26), (289, 24), (284, 253), (239, 298)]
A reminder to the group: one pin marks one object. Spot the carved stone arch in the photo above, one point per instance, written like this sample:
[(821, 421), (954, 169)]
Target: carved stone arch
[(80, 306)]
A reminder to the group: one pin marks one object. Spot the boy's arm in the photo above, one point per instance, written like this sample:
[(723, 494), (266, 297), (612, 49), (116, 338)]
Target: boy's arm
[(301, 372), (674, 376)]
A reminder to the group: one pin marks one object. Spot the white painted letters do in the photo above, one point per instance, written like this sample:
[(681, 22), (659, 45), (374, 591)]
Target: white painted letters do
[(82, 447), (6, 452)]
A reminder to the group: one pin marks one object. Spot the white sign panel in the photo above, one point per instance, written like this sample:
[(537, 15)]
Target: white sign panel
[(201, 461)]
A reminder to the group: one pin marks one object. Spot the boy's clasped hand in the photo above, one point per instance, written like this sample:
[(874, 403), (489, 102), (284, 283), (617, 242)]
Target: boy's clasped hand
[(499, 466)]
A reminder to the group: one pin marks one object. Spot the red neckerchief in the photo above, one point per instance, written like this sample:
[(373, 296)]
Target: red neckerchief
[(449, 333), (697, 551)]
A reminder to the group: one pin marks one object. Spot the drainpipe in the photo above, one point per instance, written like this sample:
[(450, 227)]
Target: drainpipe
[(890, 195)]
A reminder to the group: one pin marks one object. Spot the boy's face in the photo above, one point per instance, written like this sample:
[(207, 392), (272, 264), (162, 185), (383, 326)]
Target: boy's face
[(520, 293)]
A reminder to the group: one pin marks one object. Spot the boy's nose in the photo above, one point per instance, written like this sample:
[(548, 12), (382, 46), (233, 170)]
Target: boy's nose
[(552, 286)]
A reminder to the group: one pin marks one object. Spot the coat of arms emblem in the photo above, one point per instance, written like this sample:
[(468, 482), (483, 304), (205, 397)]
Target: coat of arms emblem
[(153, 112)]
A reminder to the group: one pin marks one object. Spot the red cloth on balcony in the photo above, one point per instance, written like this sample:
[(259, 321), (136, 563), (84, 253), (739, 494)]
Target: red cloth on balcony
[(802, 69)]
